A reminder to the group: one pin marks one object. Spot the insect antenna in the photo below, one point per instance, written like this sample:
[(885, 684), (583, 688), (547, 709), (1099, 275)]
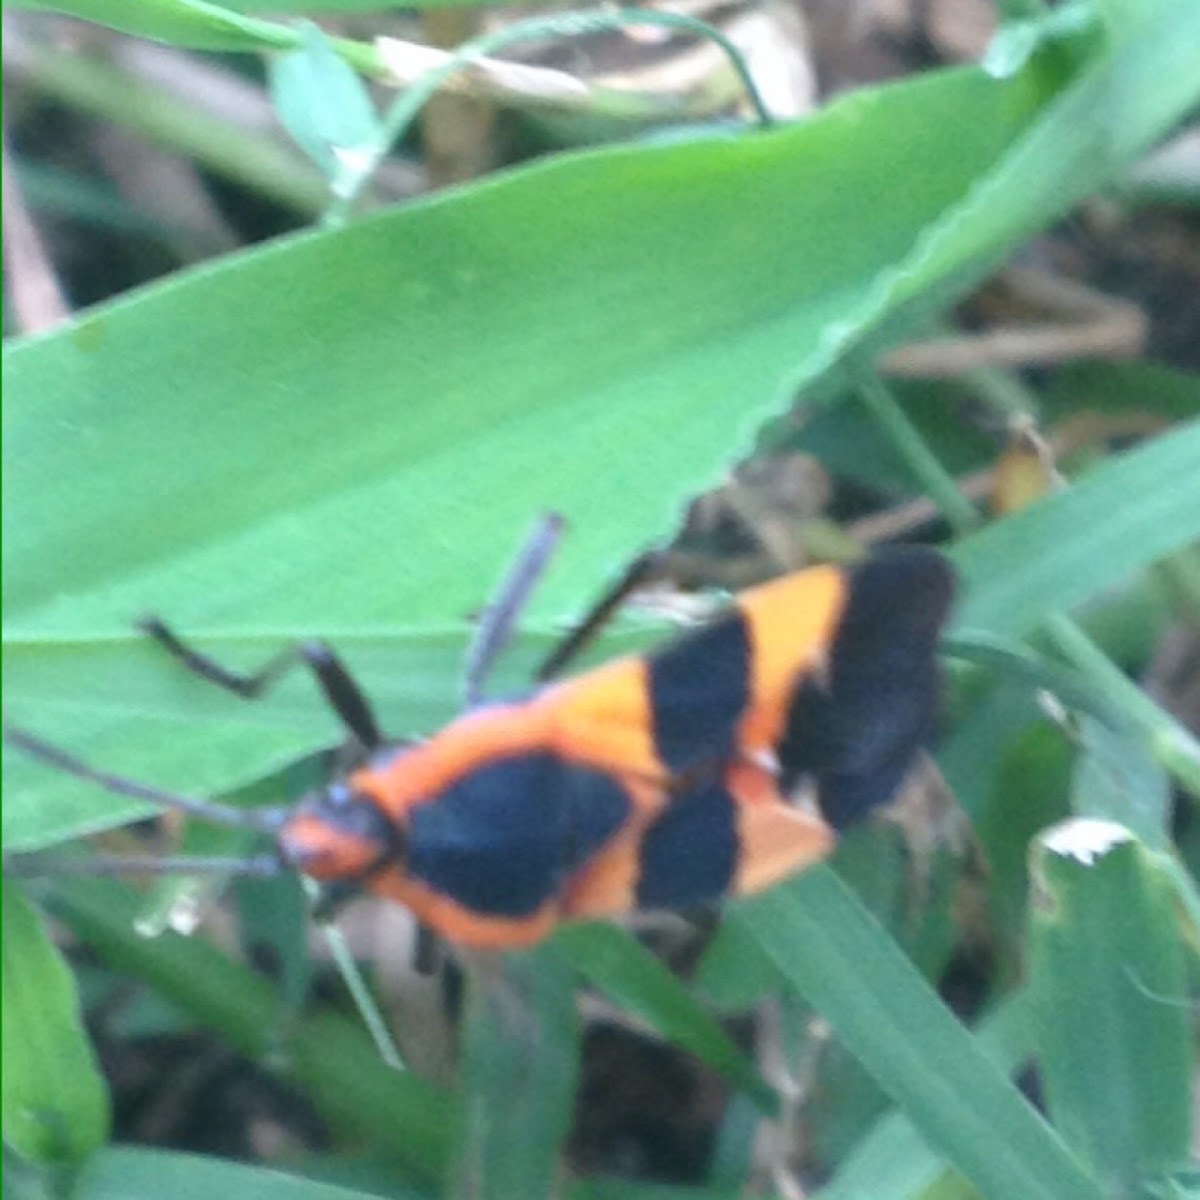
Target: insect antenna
[(503, 610), (265, 820), (31, 866)]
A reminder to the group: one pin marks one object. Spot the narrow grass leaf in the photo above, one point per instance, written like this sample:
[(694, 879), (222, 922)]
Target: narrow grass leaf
[(193, 23), (893, 1161), (613, 961), (135, 1173), (841, 962), (1053, 555), (520, 1067), (55, 1102)]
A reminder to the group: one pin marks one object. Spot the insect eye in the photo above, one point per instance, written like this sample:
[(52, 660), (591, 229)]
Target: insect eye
[(340, 807), (338, 795)]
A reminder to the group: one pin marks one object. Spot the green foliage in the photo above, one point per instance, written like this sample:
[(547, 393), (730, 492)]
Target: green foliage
[(131, 1173), (55, 1103), (324, 105), (1108, 970), (341, 434)]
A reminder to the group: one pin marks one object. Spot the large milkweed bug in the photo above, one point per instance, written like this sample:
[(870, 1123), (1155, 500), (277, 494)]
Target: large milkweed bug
[(716, 766)]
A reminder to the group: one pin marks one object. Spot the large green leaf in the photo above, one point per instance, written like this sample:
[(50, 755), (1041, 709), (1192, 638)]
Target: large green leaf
[(293, 419), (342, 433)]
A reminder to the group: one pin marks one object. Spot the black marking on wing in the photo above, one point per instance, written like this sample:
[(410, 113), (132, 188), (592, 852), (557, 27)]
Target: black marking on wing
[(858, 730), (699, 687), (503, 838), (689, 854)]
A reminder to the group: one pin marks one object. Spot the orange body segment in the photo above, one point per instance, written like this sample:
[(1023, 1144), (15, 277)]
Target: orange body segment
[(458, 923), (418, 774), (604, 718)]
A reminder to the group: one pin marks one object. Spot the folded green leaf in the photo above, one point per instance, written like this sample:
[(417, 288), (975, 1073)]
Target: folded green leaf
[(1109, 978), (324, 105)]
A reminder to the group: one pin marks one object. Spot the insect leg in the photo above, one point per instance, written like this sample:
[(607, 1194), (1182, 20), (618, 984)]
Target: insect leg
[(503, 611), (344, 695), (427, 952), (643, 568)]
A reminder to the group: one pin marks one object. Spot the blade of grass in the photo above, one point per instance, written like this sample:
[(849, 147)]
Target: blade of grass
[(621, 967), (839, 960), (1054, 554), (1017, 568), (520, 1066), (135, 1173), (893, 1162), (1170, 742), (55, 1101)]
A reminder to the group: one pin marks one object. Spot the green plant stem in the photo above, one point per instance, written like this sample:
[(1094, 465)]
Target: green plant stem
[(261, 164), (409, 103), (917, 456), (364, 1002), (1002, 392), (362, 57), (1172, 746)]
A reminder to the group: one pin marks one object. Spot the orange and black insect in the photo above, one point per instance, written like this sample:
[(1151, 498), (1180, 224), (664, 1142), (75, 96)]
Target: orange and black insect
[(716, 766)]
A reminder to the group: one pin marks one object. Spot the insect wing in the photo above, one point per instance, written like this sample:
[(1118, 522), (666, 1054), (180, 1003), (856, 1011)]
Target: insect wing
[(854, 726), (723, 834), (827, 676), (715, 695)]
